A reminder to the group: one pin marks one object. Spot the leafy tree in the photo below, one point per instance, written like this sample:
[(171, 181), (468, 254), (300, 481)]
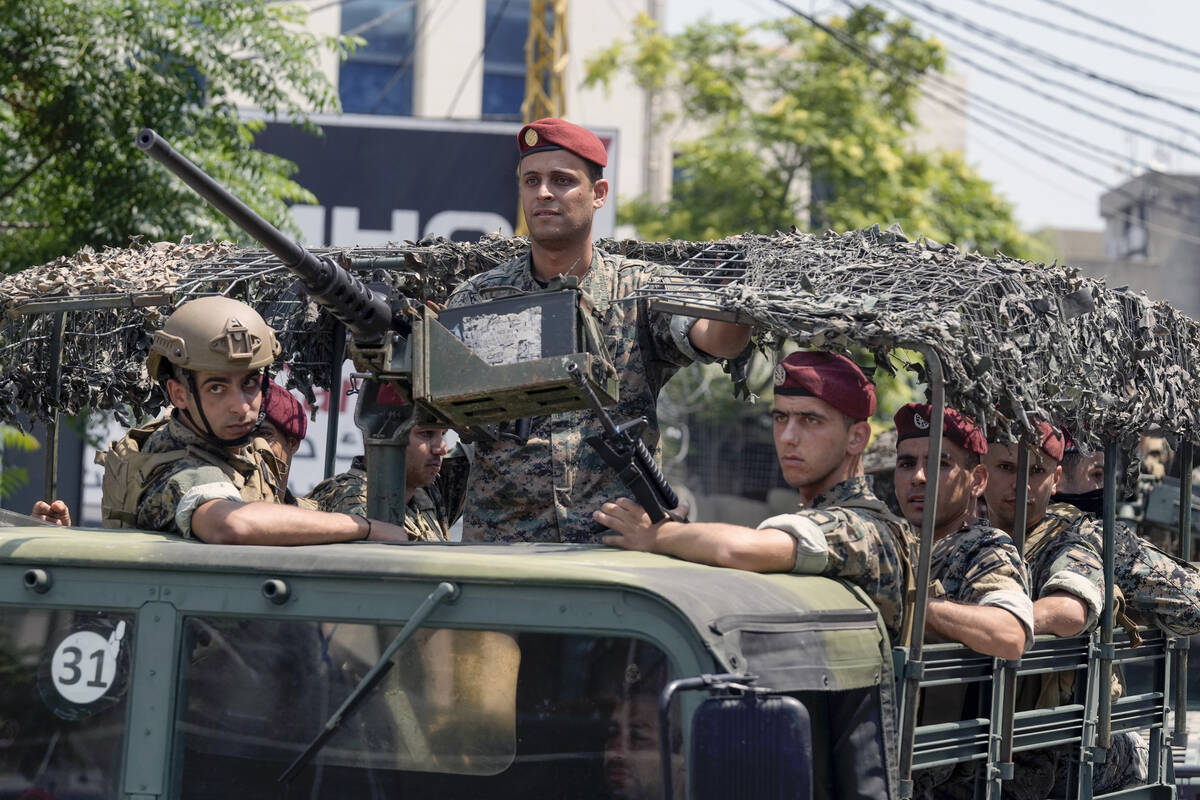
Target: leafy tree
[(14, 439), (796, 129), (80, 77)]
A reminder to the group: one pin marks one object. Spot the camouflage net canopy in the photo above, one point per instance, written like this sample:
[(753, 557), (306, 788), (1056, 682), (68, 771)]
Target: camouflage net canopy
[(1017, 340), (108, 304)]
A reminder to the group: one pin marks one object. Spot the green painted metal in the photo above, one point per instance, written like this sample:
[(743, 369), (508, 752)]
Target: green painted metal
[(151, 700)]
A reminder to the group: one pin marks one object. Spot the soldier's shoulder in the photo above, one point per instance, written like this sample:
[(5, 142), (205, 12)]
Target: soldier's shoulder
[(505, 274)]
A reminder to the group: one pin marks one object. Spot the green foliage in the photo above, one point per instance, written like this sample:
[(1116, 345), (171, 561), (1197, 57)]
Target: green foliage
[(796, 130), (80, 77), (13, 438)]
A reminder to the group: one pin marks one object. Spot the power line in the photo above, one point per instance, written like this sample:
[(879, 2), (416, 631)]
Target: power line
[(375, 22), (869, 57), (407, 63), (1056, 99), (1052, 59), (1122, 28), (1055, 136), (487, 38), (1157, 58)]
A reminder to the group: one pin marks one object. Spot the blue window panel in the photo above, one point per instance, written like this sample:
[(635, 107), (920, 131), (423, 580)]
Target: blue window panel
[(360, 84), (502, 96)]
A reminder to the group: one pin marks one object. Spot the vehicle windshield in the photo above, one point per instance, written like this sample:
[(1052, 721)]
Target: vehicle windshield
[(463, 713), (63, 682)]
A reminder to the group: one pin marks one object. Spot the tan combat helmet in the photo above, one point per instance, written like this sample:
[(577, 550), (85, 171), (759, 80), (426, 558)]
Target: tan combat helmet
[(214, 334)]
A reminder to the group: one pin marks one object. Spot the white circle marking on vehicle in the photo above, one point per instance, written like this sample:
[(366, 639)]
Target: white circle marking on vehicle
[(84, 665)]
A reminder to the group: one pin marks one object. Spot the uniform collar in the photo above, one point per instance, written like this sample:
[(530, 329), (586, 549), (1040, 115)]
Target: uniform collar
[(855, 488)]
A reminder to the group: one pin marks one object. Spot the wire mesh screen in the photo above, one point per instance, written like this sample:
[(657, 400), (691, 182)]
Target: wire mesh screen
[(1018, 341)]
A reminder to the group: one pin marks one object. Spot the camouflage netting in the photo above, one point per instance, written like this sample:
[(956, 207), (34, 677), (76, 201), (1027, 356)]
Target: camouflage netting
[(1016, 339)]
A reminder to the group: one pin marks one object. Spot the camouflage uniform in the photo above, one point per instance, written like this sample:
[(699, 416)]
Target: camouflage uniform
[(204, 471), (1065, 555), (976, 565), (429, 514), (547, 488), (1158, 589), (864, 544), (979, 565)]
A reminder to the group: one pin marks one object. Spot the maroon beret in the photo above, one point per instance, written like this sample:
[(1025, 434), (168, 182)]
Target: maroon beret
[(284, 411), (912, 421), (558, 134), (827, 376), (1050, 440)]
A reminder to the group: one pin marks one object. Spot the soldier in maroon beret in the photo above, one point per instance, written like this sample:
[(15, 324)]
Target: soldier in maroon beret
[(545, 488), (842, 530), (980, 591), (283, 427), (822, 402)]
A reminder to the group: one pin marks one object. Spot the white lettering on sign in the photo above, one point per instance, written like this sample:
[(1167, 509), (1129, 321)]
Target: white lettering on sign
[(346, 233), (85, 663), (504, 338)]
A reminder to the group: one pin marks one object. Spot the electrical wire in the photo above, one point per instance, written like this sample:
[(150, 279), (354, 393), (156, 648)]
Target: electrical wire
[(1050, 58), (379, 20), (407, 63), (869, 57), (1056, 99), (1054, 136), (1122, 28), (1157, 58), (487, 38)]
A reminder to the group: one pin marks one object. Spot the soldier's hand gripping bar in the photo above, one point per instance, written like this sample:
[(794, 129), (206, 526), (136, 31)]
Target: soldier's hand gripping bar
[(623, 450)]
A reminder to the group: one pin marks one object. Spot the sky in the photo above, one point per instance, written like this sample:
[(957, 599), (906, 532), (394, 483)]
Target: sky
[(1118, 133)]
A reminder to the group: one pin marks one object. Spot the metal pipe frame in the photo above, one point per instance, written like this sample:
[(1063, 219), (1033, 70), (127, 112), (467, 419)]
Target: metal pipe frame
[(1180, 732), (1008, 669), (1112, 476), (914, 669), (54, 376), (336, 359)]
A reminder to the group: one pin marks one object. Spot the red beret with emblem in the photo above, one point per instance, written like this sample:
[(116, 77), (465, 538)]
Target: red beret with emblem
[(827, 376), (912, 421), (1050, 440), (284, 411), (552, 133)]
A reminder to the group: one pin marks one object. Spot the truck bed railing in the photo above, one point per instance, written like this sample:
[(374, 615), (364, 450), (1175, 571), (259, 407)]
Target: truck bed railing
[(972, 738)]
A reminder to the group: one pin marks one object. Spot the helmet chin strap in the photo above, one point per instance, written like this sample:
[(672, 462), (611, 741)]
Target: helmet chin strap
[(210, 433)]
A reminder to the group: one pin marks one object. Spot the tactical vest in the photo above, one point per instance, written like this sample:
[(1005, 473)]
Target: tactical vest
[(128, 470)]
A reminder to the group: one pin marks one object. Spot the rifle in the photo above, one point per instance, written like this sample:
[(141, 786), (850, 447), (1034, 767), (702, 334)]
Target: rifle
[(624, 451)]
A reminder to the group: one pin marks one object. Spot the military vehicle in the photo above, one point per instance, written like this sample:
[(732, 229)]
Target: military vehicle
[(143, 666)]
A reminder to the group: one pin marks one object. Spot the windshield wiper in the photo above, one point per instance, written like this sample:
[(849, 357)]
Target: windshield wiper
[(445, 592)]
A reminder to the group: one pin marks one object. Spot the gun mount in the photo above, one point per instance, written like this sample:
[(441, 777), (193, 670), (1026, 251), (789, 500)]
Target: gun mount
[(419, 368)]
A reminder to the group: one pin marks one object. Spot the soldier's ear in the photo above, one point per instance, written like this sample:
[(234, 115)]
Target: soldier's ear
[(177, 393), (859, 437), (979, 476)]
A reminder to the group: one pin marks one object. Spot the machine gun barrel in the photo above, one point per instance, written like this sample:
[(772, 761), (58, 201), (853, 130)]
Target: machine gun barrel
[(366, 314)]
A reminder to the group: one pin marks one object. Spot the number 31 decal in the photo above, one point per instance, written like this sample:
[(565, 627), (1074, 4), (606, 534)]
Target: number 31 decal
[(85, 664)]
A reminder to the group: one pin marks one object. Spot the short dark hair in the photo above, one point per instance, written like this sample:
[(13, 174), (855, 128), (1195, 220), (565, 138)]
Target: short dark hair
[(595, 171)]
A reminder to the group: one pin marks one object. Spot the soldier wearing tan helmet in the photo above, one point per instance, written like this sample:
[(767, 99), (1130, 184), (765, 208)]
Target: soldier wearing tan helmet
[(196, 471)]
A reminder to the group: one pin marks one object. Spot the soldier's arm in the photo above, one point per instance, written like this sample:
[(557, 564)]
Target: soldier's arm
[(990, 630), (1061, 614), (235, 522), (715, 543), (719, 339)]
